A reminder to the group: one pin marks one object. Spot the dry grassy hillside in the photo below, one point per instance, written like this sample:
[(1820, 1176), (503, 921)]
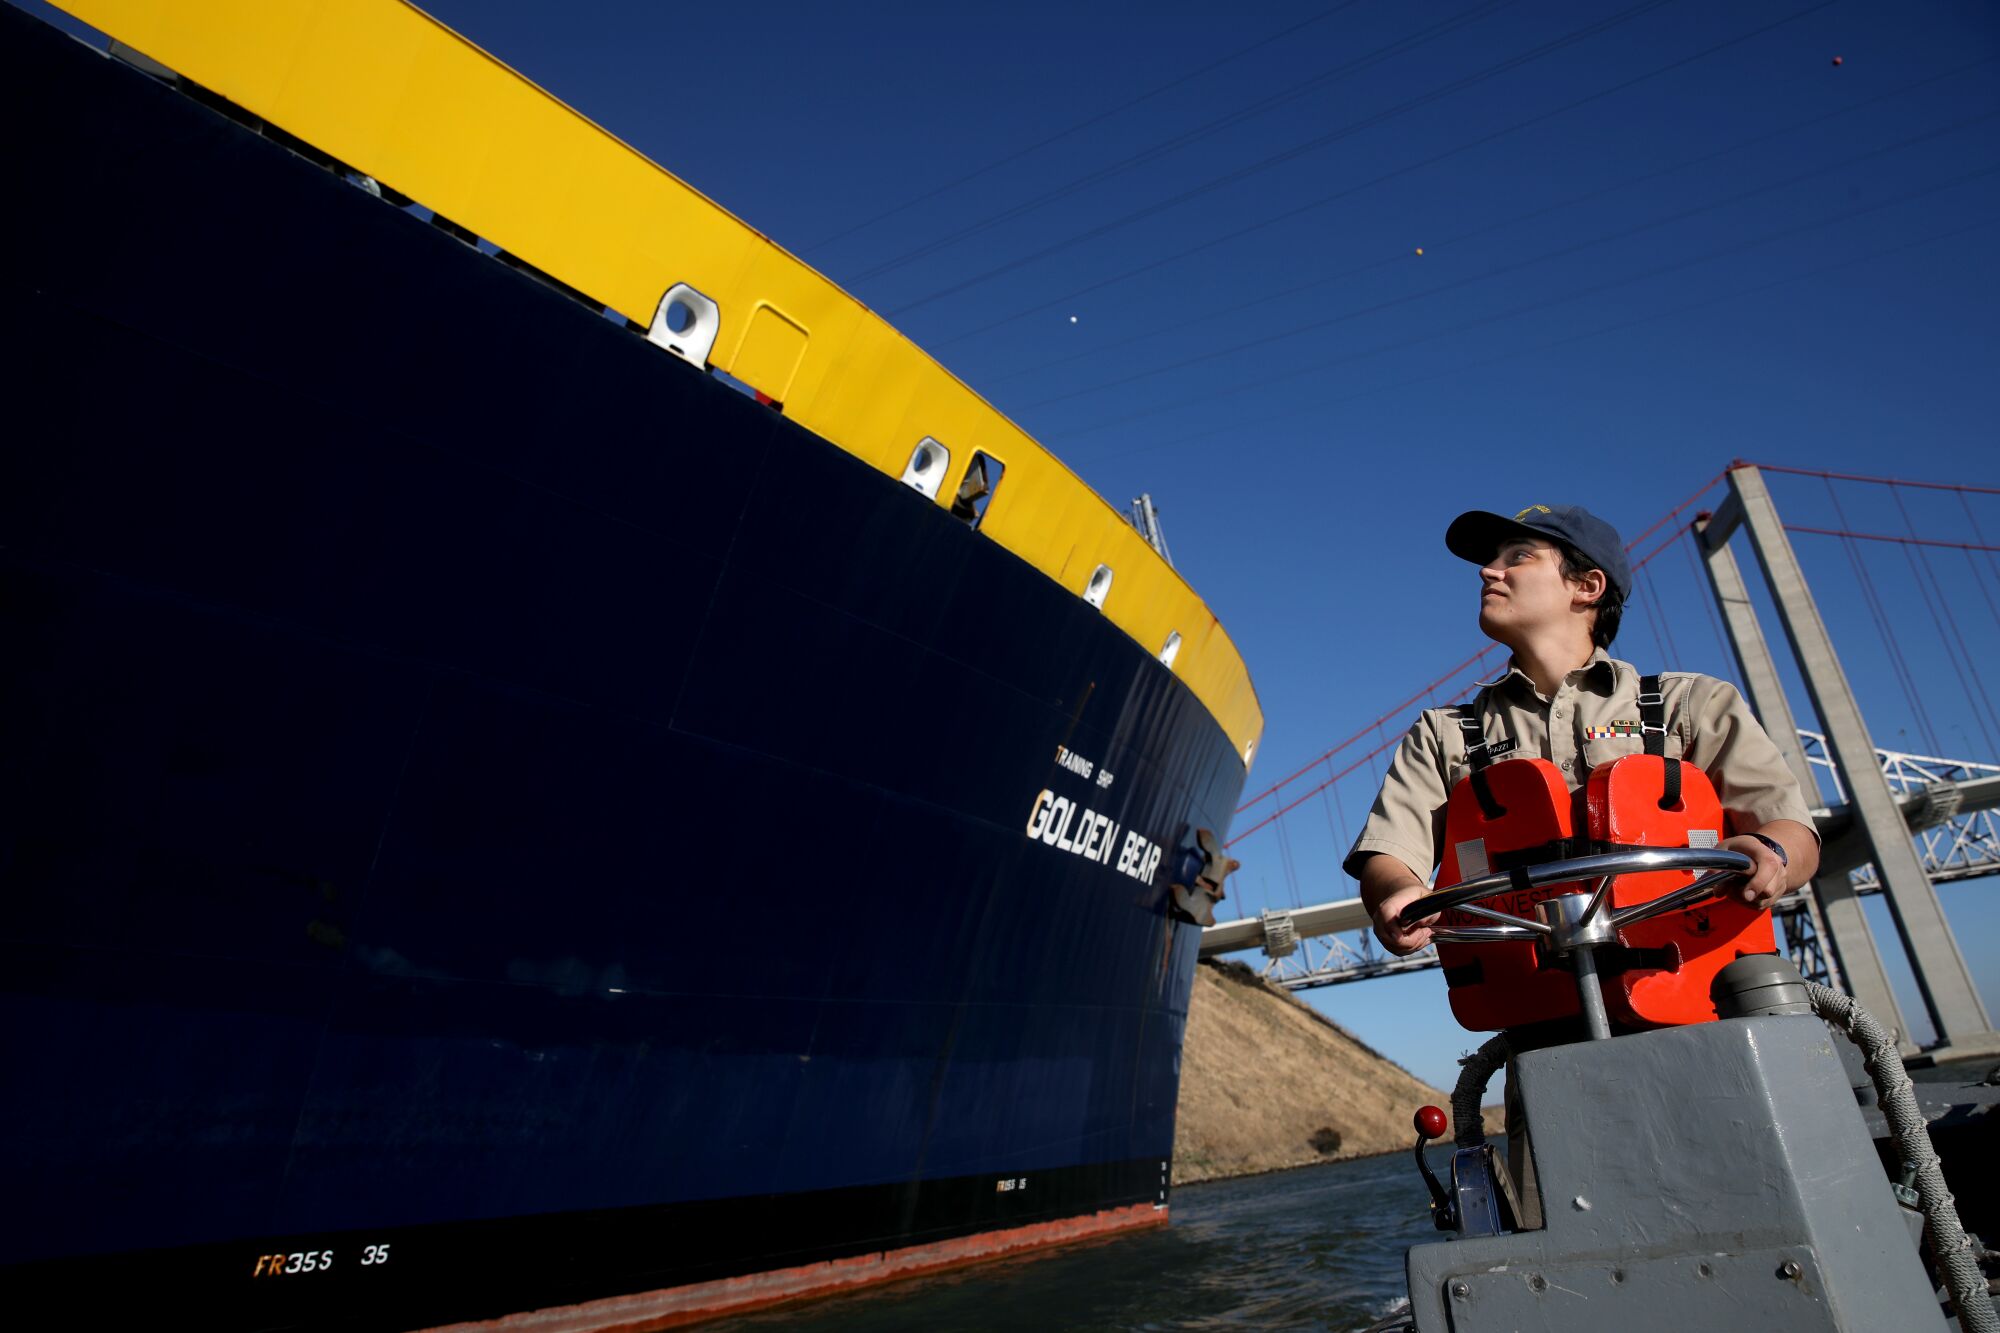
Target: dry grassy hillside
[(1269, 1082)]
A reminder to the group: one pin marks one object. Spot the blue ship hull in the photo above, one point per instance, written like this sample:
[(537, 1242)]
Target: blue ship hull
[(485, 802)]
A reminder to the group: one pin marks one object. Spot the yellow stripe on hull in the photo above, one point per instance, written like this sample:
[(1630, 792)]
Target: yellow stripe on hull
[(391, 92)]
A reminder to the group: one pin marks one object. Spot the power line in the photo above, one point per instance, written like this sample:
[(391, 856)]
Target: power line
[(1401, 256), (1081, 126), (1626, 233), (1463, 368), (1289, 154), (1174, 143), (1533, 306)]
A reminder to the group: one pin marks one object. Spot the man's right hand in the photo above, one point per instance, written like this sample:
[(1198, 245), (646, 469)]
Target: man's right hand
[(1395, 936)]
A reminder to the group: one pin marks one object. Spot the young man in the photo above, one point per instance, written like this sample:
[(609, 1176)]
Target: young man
[(1552, 585)]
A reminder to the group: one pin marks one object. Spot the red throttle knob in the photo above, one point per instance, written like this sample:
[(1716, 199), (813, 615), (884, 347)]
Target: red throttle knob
[(1430, 1122)]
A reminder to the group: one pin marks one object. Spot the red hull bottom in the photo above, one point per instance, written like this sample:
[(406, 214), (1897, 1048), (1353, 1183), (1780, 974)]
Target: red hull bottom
[(672, 1307)]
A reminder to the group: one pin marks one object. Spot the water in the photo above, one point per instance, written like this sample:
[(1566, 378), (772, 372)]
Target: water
[(1317, 1248)]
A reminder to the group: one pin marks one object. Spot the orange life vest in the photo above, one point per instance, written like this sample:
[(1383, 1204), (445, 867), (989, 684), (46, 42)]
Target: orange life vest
[(1518, 812)]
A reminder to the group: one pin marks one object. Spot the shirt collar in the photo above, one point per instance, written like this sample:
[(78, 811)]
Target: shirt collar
[(1601, 669)]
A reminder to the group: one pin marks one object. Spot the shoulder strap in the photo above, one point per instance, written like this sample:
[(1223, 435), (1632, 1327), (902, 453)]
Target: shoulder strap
[(1653, 730), (1478, 752), (1478, 756)]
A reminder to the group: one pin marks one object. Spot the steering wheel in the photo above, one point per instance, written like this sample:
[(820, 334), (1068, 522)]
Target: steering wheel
[(1584, 926)]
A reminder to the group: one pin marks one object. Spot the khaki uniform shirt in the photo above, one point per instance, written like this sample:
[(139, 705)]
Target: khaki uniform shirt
[(1708, 725)]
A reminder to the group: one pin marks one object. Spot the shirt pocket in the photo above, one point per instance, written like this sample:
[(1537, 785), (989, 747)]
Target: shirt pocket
[(1601, 751)]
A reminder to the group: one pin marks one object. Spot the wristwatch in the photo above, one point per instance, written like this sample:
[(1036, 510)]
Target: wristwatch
[(1776, 846)]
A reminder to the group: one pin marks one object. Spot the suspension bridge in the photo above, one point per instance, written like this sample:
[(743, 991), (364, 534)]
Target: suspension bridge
[(1900, 822)]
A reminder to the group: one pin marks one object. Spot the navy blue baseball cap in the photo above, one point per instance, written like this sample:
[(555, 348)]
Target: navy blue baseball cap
[(1476, 535)]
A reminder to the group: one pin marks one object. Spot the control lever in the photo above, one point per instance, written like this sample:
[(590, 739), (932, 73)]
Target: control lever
[(1430, 1123)]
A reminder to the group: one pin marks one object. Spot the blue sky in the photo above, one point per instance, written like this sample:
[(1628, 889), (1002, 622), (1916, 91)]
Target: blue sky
[(1178, 243)]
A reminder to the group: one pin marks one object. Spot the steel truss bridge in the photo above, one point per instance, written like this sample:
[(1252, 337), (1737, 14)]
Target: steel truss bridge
[(1949, 805)]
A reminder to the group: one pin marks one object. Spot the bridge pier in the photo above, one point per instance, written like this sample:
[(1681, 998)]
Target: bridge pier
[(1847, 944), (1957, 1013)]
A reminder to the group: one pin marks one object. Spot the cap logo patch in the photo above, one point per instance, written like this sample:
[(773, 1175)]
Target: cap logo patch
[(1607, 732), (1533, 509)]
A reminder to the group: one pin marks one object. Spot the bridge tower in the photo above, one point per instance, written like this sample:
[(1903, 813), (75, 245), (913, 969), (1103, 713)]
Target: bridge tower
[(1943, 981)]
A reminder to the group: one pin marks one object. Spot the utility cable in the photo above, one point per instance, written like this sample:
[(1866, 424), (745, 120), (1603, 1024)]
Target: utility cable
[(1401, 256), (1464, 368), (1561, 252), (1082, 125), (1174, 143), (1531, 307), (1289, 154)]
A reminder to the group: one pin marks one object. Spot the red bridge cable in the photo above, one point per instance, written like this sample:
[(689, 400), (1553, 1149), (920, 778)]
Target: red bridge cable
[(1676, 511), (1385, 746), (1308, 795), (1890, 537), (1960, 487), (1392, 713), (1429, 689), (1869, 596)]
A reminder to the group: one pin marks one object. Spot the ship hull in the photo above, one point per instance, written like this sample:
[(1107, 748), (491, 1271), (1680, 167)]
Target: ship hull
[(494, 819)]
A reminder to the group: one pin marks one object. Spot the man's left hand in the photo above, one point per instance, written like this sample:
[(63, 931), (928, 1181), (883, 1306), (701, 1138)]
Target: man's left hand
[(1765, 883)]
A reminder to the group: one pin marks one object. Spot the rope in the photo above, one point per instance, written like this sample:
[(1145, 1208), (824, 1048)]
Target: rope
[(1942, 1230), (1475, 1071)]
